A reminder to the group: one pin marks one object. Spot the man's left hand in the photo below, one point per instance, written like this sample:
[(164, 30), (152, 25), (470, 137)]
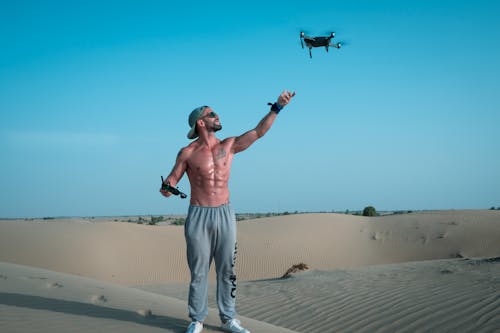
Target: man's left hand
[(285, 97)]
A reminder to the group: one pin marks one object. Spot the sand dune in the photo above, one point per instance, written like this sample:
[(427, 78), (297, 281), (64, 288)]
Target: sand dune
[(37, 300), (452, 295), (132, 254), (419, 272)]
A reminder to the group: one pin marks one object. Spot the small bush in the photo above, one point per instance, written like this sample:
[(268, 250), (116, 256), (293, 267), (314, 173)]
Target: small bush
[(369, 211), (179, 221), (156, 219), (294, 269)]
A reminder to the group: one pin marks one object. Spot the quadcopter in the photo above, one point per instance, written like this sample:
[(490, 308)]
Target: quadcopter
[(174, 190), (318, 42)]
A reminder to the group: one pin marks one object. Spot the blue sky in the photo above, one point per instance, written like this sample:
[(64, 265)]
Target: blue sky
[(94, 100)]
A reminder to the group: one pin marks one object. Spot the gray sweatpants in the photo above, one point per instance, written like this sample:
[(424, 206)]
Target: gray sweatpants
[(211, 234)]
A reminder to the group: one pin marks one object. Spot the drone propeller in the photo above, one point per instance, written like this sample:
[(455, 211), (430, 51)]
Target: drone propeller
[(330, 32), (342, 43), (302, 38)]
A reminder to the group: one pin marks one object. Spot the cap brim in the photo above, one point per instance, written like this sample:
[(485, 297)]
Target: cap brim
[(192, 133)]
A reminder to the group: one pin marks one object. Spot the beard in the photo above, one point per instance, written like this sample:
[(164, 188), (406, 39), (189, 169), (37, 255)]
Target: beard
[(217, 127)]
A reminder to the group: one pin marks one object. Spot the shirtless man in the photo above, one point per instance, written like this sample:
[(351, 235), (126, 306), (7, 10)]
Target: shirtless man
[(210, 228)]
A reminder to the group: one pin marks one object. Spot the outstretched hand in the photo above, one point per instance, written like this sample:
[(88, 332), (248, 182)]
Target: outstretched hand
[(285, 97)]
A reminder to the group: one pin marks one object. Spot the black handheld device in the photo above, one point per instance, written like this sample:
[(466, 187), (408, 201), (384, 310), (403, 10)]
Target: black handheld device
[(171, 189)]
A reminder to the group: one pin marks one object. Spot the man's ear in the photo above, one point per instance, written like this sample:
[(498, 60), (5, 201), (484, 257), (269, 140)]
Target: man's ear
[(200, 123)]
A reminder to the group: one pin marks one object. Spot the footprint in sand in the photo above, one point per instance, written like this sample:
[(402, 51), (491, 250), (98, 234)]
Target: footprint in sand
[(424, 239), (146, 313), (98, 299), (54, 285), (441, 235), (381, 236)]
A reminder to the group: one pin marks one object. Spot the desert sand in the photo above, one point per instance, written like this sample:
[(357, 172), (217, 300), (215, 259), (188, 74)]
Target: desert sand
[(421, 272)]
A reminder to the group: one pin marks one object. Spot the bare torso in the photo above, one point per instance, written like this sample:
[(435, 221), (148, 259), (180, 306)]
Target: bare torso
[(207, 160), (208, 168)]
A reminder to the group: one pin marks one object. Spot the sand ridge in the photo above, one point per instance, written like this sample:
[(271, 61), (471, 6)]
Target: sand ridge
[(38, 300), (132, 254), (451, 295), (419, 272)]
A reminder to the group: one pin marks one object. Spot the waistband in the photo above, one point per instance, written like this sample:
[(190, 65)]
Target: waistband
[(227, 205)]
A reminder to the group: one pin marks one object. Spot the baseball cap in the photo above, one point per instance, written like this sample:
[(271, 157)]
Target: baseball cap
[(193, 118)]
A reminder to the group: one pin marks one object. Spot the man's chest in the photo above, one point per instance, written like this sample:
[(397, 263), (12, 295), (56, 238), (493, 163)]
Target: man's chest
[(205, 159)]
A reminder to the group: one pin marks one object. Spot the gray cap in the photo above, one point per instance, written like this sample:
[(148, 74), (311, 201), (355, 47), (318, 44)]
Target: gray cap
[(193, 118)]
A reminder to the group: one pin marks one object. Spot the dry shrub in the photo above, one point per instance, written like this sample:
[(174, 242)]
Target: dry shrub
[(295, 269)]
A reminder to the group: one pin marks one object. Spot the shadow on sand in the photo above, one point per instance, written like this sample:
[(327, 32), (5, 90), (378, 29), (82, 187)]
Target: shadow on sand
[(90, 310)]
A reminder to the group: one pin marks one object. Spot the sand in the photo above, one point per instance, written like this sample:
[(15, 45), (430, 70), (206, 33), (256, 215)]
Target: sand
[(37, 300), (420, 272)]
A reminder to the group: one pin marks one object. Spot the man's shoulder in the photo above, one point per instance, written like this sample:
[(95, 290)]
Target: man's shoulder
[(186, 151), (191, 146), (228, 141)]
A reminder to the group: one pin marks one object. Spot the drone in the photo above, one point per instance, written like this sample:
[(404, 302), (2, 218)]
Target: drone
[(318, 42)]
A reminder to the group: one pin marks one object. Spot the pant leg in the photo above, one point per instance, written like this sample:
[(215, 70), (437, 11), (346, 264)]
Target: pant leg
[(225, 256), (198, 231)]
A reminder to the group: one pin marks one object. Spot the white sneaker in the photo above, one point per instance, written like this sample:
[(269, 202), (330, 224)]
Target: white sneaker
[(234, 326), (195, 327)]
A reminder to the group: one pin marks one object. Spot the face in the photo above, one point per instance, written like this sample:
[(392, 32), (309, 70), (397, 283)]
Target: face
[(211, 120)]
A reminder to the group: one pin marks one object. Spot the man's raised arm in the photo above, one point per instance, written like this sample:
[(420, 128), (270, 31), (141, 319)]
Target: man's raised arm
[(245, 140)]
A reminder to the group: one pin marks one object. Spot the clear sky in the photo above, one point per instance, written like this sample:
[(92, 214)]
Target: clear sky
[(95, 96)]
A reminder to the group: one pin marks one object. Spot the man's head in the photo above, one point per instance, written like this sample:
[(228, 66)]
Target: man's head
[(202, 116)]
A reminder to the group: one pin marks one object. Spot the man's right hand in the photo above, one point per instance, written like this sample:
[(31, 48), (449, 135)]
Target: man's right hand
[(164, 188), (165, 193), (167, 190)]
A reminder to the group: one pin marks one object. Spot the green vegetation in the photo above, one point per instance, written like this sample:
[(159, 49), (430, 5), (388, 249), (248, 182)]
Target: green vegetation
[(399, 212), (369, 211), (251, 216), (153, 220), (178, 221), (156, 219)]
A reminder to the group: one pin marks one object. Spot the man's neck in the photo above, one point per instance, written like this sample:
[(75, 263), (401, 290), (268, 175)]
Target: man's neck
[(208, 139)]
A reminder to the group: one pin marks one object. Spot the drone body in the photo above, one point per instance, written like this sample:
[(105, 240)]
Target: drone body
[(321, 41)]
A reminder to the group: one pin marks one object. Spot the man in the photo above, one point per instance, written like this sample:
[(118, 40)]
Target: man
[(210, 228)]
